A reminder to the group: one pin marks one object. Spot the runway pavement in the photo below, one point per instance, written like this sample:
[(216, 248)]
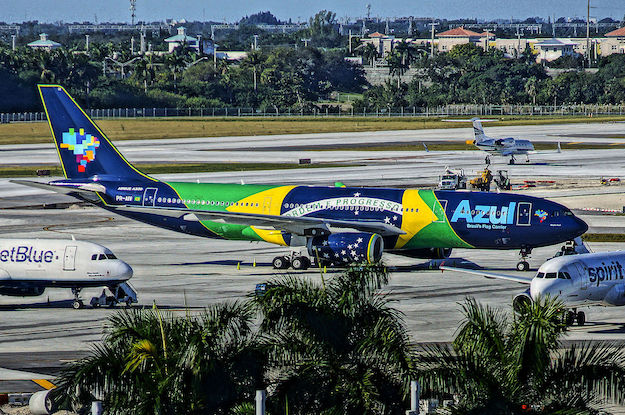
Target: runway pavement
[(39, 334)]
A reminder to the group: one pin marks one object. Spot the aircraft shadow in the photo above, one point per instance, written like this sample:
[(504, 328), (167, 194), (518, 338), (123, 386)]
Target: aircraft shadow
[(619, 329), (67, 304)]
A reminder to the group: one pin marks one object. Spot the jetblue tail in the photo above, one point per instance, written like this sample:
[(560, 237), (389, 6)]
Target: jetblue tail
[(83, 148)]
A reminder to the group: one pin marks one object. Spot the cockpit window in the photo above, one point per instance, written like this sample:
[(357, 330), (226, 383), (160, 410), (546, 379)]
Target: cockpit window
[(551, 275), (101, 257), (562, 275), (568, 213), (540, 275), (110, 256), (94, 257)]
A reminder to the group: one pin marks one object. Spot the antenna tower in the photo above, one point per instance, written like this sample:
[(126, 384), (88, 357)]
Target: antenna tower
[(133, 9)]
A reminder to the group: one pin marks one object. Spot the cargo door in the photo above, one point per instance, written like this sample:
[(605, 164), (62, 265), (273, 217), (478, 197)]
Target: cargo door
[(69, 260)]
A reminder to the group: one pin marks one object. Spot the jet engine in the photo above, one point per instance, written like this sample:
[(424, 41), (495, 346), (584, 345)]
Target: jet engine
[(22, 291), (347, 247), (426, 253), (504, 141), (616, 296), (521, 299)]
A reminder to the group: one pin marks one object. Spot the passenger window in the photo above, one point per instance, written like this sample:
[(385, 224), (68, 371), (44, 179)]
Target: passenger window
[(551, 275)]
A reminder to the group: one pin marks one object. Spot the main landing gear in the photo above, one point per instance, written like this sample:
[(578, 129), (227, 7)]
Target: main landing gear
[(574, 316), (295, 260), (523, 265)]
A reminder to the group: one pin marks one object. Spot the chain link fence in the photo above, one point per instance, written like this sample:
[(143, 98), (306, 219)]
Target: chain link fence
[(336, 111)]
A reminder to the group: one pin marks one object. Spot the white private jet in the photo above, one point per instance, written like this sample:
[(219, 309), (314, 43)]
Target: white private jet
[(505, 147), (29, 266), (577, 280)]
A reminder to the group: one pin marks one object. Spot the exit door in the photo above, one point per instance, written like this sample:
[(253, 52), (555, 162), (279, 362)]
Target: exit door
[(69, 260), (267, 205), (524, 214), (584, 280), (149, 196)]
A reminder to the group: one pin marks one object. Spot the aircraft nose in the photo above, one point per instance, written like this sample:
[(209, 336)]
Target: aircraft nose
[(124, 271), (580, 226)]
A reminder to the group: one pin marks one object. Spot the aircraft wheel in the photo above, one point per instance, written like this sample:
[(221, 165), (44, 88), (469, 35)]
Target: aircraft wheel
[(581, 318), (299, 262), (570, 318), (128, 304), (522, 266), (281, 262), (77, 304)]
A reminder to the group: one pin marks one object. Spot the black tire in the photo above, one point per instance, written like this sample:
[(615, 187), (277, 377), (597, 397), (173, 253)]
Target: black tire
[(281, 262), (581, 318), (307, 262), (77, 305), (522, 266), (298, 263), (569, 319)]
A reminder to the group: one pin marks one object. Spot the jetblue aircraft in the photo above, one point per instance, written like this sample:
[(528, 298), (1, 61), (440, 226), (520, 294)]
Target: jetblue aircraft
[(29, 266), (577, 280), (505, 147), (337, 224)]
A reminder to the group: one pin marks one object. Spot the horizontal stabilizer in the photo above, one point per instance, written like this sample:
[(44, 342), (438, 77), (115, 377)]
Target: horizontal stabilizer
[(513, 278), (65, 188)]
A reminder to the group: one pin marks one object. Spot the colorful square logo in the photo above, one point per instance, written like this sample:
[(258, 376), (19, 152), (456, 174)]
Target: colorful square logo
[(82, 145)]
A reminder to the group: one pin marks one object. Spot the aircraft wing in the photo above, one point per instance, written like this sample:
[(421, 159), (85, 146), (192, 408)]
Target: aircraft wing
[(514, 278), (292, 224)]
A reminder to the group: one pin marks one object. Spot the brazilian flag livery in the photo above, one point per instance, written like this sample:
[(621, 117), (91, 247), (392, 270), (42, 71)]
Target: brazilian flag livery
[(345, 222)]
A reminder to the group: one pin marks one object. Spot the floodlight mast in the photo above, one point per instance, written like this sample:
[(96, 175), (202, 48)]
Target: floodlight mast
[(133, 9)]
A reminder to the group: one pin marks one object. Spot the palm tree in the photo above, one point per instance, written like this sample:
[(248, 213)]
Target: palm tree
[(154, 363), (254, 59), (497, 364), (335, 347), (369, 52), (396, 65)]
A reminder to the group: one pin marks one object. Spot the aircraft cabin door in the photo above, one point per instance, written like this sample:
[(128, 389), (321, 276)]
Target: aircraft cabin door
[(149, 196), (584, 281), (524, 214), (69, 260), (267, 206)]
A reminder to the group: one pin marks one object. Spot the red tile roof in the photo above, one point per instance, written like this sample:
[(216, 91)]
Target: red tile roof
[(617, 32), (459, 32), (377, 34)]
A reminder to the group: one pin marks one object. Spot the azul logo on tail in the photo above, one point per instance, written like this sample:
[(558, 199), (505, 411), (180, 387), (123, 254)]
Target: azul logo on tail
[(484, 214), (82, 145)]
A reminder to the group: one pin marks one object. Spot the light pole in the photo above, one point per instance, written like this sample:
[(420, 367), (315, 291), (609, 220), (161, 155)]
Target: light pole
[(433, 24), (255, 42)]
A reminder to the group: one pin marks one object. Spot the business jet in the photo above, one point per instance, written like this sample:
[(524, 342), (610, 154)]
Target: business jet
[(29, 266), (338, 225), (577, 280), (504, 147)]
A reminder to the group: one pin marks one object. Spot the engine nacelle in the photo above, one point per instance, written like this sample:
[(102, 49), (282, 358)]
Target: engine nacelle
[(426, 253), (347, 247), (22, 291), (521, 300), (616, 296)]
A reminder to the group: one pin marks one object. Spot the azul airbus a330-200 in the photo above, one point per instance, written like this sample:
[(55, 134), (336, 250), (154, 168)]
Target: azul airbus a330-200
[(337, 224)]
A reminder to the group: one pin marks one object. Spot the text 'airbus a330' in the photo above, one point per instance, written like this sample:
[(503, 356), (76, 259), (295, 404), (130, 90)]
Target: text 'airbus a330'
[(339, 225)]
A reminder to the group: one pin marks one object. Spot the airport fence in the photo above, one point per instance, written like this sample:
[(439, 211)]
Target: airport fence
[(335, 111)]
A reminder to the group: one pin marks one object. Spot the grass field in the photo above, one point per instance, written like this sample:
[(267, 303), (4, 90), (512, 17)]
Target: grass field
[(604, 237), (31, 171), (150, 128)]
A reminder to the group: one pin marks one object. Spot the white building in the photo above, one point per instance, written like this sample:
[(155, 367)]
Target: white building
[(552, 49), (182, 39)]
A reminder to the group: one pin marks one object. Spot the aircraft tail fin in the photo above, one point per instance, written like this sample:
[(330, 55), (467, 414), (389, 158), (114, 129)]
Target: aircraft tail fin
[(478, 130), (83, 148)]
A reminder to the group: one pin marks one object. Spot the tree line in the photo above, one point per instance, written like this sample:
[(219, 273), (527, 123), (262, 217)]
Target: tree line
[(339, 347)]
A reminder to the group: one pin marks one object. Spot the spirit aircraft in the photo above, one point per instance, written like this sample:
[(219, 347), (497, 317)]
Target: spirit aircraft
[(577, 280), (338, 225), (29, 266)]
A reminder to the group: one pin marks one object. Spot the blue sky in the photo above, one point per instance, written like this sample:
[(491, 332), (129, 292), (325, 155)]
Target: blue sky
[(150, 10)]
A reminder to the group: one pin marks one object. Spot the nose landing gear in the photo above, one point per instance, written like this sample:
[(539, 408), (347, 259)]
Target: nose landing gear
[(77, 304), (573, 316), (523, 265)]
